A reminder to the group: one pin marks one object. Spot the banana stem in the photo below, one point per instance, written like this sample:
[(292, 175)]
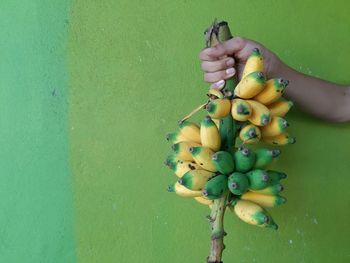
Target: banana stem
[(193, 112)]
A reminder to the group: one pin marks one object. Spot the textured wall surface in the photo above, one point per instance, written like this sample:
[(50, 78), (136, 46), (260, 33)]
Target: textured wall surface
[(90, 88)]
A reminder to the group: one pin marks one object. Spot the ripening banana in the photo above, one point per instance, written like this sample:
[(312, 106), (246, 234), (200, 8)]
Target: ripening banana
[(183, 191), (250, 85), (203, 200), (250, 134), (280, 139), (209, 134), (176, 137), (217, 122), (238, 183), (244, 159), (190, 131), (280, 108), (214, 94), (276, 126), (226, 130), (196, 179), (258, 179), (253, 214), (272, 92), (266, 201), (260, 113), (182, 150), (270, 190), (218, 108), (203, 157), (255, 62), (240, 110), (215, 187), (264, 157), (275, 176), (181, 167), (223, 161)]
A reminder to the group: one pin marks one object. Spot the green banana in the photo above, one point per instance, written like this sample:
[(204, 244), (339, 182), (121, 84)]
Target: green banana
[(275, 176), (238, 183), (215, 187), (223, 162), (227, 133), (196, 179), (264, 157), (258, 179), (244, 159)]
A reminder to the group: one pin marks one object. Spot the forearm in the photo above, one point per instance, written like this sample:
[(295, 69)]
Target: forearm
[(323, 99)]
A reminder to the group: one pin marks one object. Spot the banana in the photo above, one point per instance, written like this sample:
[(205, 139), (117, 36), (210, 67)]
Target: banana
[(251, 85), (190, 131), (203, 157), (227, 133), (260, 113), (215, 187), (253, 214), (238, 183), (209, 134), (214, 94), (272, 92), (264, 157), (217, 123), (276, 126), (175, 137), (270, 190), (223, 162), (181, 167), (182, 150), (275, 176), (240, 110), (244, 159), (280, 108), (218, 108), (258, 179), (250, 134), (280, 139), (195, 179), (203, 200), (266, 201), (183, 191), (255, 62)]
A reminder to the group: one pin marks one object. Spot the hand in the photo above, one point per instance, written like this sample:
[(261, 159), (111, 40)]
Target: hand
[(227, 59)]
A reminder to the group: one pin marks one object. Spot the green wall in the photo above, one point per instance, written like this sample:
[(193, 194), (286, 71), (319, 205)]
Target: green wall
[(88, 90)]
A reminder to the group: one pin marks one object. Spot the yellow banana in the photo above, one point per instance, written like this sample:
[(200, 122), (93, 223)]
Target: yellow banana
[(203, 157), (270, 190), (250, 134), (280, 108), (266, 201), (214, 94), (250, 85), (182, 150), (209, 134), (203, 200), (276, 126), (218, 108), (190, 131), (217, 122), (280, 139), (183, 191), (196, 179), (253, 214), (255, 62), (260, 113), (181, 167), (176, 137), (272, 92), (240, 110)]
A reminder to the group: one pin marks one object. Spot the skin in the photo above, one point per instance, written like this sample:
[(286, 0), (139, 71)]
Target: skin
[(320, 98)]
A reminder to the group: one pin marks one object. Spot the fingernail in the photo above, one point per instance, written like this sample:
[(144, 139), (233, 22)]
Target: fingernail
[(230, 71), (219, 84), (230, 62)]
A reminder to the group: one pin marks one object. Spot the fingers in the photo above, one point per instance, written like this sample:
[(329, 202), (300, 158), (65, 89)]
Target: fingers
[(224, 49), (219, 75), (213, 66)]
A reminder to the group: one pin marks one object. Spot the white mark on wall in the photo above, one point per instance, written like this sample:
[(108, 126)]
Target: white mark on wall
[(315, 221), (290, 241)]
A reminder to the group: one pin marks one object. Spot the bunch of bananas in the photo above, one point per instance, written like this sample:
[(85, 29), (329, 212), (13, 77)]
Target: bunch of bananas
[(210, 163)]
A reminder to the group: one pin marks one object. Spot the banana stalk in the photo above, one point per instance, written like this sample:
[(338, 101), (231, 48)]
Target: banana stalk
[(219, 32)]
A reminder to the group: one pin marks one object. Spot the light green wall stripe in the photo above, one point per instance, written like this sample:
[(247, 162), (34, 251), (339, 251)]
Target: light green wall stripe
[(35, 183)]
